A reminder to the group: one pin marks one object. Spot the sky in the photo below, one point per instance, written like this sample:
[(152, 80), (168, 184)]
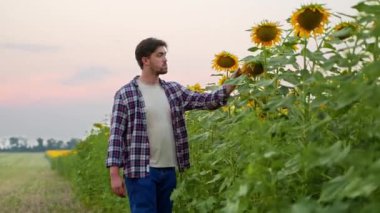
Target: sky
[(61, 61)]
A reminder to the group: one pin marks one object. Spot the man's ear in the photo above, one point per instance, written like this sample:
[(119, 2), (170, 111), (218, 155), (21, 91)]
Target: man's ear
[(145, 60)]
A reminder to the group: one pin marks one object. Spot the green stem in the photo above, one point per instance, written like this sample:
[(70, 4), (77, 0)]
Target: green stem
[(305, 94), (351, 53), (229, 108), (313, 61), (265, 56), (304, 54), (328, 33), (212, 134), (376, 49)]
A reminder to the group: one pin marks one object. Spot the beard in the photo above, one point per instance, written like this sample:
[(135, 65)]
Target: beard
[(162, 70)]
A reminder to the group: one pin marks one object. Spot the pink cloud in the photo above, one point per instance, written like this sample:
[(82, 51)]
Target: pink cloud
[(47, 88)]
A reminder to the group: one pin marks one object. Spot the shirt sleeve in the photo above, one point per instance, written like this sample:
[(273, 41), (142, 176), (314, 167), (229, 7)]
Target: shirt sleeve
[(117, 130), (195, 100)]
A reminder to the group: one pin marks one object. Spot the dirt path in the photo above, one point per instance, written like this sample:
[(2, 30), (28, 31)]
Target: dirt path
[(27, 184)]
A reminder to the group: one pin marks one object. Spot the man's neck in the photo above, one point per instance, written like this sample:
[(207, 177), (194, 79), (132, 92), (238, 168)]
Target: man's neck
[(148, 78)]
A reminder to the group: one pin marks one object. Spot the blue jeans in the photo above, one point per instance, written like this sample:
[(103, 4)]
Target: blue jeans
[(151, 194)]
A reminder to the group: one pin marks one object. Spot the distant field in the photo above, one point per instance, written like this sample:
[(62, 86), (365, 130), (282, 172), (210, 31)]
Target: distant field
[(27, 184)]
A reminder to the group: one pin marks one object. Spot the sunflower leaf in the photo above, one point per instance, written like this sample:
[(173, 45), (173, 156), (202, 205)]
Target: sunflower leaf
[(253, 49), (264, 83), (328, 46), (362, 7), (235, 81)]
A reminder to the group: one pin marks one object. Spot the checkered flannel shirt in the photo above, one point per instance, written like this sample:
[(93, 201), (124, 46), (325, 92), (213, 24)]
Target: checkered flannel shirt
[(128, 142)]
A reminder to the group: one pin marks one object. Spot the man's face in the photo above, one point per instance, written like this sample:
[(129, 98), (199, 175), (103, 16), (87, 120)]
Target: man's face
[(157, 61)]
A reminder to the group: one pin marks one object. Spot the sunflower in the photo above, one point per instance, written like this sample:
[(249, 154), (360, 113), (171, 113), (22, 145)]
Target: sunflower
[(196, 88), (252, 68), (322, 106), (225, 61), (283, 111), (295, 47), (349, 29), (250, 103), (266, 33), (309, 19)]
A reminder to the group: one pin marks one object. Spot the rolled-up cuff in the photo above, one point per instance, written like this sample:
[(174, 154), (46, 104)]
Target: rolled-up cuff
[(113, 162)]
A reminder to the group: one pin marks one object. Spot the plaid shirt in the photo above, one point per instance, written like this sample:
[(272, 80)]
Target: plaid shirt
[(128, 142)]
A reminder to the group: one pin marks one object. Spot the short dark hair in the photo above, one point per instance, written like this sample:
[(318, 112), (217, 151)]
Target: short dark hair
[(146, 47)]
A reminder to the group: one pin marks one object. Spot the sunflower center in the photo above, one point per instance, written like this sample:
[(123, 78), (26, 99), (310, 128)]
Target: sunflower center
[(310, 19), (226, 62), (258, 69), (253, 69), (266, 33)]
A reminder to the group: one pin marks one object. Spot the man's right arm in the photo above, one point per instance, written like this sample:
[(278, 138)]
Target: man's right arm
[(116, 145), (117, 128), (213, 100)]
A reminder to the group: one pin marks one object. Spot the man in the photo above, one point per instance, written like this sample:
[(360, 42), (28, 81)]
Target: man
[(148, 134)]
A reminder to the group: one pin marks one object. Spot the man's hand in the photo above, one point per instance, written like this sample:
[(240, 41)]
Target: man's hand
[(236, 74), (117, 183)]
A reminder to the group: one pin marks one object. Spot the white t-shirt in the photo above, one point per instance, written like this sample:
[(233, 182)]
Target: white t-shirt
[(159, 126)]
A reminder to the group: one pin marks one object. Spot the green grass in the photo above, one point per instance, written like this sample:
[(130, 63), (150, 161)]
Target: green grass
[(29, 185)]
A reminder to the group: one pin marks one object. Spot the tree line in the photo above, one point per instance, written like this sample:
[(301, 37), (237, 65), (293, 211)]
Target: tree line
[(17, 144)]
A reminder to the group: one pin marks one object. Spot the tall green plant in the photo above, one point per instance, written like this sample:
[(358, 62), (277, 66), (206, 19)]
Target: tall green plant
[(308, 143), (86, 170)]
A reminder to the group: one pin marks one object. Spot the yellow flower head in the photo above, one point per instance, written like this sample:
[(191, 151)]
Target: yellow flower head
[(322, 106), (225, 108), (284, 111), (351, 28), (309, 19), (196, 88), (222, 80), (225, 61), (250, 103), (266, 33), (252, 68), (59, 153), (294, 47)]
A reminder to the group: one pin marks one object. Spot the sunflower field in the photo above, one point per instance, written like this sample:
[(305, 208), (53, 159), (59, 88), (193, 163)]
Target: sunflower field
[(301, 132)]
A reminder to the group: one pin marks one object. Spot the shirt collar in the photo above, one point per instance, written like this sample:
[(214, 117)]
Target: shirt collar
[(134, 81)]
